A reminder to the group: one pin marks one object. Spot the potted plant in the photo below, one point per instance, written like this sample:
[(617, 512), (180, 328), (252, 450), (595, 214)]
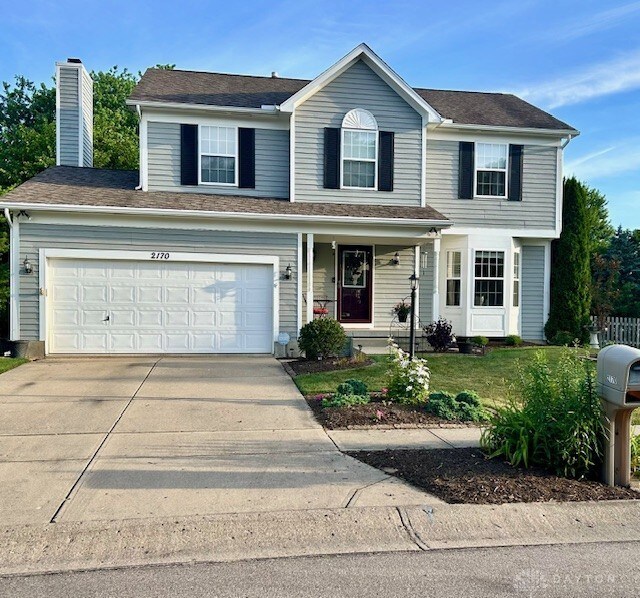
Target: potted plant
[(402, 310), (465, 345)]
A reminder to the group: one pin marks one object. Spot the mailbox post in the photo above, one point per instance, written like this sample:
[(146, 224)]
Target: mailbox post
[(619, 388)]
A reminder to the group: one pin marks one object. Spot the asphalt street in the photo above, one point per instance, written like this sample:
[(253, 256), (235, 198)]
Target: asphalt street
[(607, 569)]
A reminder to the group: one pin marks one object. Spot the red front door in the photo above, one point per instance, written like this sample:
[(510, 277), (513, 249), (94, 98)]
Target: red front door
[(355, 275)]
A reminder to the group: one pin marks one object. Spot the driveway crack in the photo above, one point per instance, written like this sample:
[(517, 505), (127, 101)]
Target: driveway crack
[(76, 484)]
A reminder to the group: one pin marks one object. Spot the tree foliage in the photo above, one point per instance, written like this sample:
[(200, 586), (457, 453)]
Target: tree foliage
[(570, 269), (624, 249)]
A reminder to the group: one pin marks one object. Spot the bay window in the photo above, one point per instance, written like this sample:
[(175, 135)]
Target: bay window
[(489, 279), (516, 279), (453, 277)]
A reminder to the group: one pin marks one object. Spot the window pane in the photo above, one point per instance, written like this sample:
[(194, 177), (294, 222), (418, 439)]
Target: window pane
[(516, 293), (453, 264), (491, 183), (489, 293), (453, 292), (218, 140), (358, 174), (359, 145), (216, 169), (491, 155)]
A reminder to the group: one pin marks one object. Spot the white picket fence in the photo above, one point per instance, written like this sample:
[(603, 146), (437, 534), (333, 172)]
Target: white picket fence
[(624, 331)]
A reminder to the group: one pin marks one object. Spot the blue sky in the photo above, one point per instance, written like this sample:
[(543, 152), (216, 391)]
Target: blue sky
[(579, 59)]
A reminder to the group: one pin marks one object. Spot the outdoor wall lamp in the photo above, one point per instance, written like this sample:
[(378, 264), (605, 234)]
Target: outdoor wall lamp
[(28, 268), (396, 259), (288, 272)]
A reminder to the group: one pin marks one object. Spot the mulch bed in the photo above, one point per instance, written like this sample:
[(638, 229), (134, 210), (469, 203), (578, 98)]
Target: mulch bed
[(467, 476), (313, 366), (377, 414)]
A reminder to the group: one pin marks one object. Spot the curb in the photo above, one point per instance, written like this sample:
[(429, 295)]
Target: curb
[(236, 537)]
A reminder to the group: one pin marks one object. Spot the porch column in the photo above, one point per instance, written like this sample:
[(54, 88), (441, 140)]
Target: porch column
[(436, 279), (309, 277)]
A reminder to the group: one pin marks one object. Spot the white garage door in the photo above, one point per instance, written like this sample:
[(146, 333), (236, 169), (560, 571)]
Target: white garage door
[(100, 306)]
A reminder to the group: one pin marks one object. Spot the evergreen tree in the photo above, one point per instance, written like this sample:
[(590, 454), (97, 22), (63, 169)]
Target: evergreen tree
[(625, 249), (570, 269)]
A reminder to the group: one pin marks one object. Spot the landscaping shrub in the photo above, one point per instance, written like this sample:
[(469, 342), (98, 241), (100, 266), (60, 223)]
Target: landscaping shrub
[(556, 422), (513, 340), (353, 387), (322, 338), (465, 406), (439, 335), (563, 339), (480, 341), (635, 455), (345, 400), (409, 377)]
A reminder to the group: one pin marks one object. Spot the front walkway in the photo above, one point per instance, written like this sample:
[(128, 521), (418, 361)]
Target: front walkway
[(117, 438)]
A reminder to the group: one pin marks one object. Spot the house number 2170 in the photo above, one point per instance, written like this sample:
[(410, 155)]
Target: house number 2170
[(160, 255)]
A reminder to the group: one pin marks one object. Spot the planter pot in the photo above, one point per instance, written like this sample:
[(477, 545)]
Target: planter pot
[(466, 348), (594, 341), (402, 317)]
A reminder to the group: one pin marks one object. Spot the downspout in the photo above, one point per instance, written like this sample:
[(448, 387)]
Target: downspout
[(566, 142), (7, 215), (140, 175)]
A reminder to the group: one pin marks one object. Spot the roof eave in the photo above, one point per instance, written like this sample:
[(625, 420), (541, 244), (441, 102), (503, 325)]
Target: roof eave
[(506, 129), (207, 107), (402, 222)]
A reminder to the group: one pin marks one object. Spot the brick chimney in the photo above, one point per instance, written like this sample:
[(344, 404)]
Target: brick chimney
[(74, 114)]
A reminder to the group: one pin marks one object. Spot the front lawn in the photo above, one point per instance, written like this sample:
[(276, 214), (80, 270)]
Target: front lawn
[(8, 363), (490, 376)]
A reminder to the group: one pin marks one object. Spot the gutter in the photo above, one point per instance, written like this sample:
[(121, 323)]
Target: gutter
[(266, 109), (447, 124), (404, 222)]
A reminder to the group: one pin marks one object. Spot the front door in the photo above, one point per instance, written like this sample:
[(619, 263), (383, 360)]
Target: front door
[(355, 276)]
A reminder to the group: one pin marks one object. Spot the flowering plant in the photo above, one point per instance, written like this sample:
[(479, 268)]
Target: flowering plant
[(402, 308), (409, 377)]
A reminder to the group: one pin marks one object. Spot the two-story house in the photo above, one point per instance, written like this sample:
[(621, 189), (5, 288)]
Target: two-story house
[(260, 199)]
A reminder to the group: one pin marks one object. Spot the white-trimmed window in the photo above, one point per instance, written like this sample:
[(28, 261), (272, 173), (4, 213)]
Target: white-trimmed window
[(359, 150), (488, 290), (516, 279), (491, 169), (454, 261), (218, 155)]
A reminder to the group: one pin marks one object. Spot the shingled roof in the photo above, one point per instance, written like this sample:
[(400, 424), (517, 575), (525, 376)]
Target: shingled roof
[(247, 91), (84, 187)]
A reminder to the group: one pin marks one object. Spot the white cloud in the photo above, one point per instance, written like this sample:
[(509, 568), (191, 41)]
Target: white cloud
[(605, 78), (607, 162)]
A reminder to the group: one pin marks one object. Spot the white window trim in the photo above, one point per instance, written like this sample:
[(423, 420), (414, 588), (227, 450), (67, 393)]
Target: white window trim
[(517, 278), (474, 278), (375, 159), (447, 278), (475, 170), (235, 156)]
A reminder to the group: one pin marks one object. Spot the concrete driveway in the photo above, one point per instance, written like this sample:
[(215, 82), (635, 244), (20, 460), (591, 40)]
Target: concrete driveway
[(116, 438)]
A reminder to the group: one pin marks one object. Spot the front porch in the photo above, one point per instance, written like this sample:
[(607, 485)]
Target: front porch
[(359, 280)]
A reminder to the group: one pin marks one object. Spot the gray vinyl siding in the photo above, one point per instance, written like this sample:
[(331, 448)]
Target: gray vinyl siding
[(36, 236), (357, 87), (87, 120), (536, 210), (532, 306), (390, 282), (426, 284), (68, 120), (272, 163)]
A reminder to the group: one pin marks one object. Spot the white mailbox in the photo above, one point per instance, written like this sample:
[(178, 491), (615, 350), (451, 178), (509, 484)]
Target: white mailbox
[(619, 387)]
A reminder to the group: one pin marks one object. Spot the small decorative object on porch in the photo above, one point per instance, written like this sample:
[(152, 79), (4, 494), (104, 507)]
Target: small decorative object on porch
[(402, 310)]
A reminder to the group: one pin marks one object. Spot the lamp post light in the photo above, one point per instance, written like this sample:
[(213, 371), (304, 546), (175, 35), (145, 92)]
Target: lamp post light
[(412, 326)]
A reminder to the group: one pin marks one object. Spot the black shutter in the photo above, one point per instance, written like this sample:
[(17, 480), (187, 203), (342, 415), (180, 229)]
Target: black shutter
[(385, 161), (188, 154), (247, 158), (331, 158), (465, 170), (515, 172)]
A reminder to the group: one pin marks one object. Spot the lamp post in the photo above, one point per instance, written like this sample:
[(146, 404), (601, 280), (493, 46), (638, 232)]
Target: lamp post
[(412, 326)]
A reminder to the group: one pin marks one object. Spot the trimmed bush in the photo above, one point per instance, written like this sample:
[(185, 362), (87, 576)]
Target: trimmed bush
[(480, 341), (322, 338), (513, 340), (558, 421), (352, 387), (563, 339), (342, 400), (439, 335)]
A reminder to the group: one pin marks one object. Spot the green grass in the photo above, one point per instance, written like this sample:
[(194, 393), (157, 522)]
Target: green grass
[(490, 376), (7, 363)]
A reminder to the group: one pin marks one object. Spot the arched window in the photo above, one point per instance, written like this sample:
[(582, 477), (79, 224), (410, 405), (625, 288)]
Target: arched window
[(359, 150)]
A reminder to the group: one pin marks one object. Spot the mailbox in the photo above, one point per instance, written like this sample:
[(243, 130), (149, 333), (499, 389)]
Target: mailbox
[(619, 375), (619, 388)]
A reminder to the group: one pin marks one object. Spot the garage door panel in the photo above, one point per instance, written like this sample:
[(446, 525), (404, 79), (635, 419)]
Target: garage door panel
[(156, 307)]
